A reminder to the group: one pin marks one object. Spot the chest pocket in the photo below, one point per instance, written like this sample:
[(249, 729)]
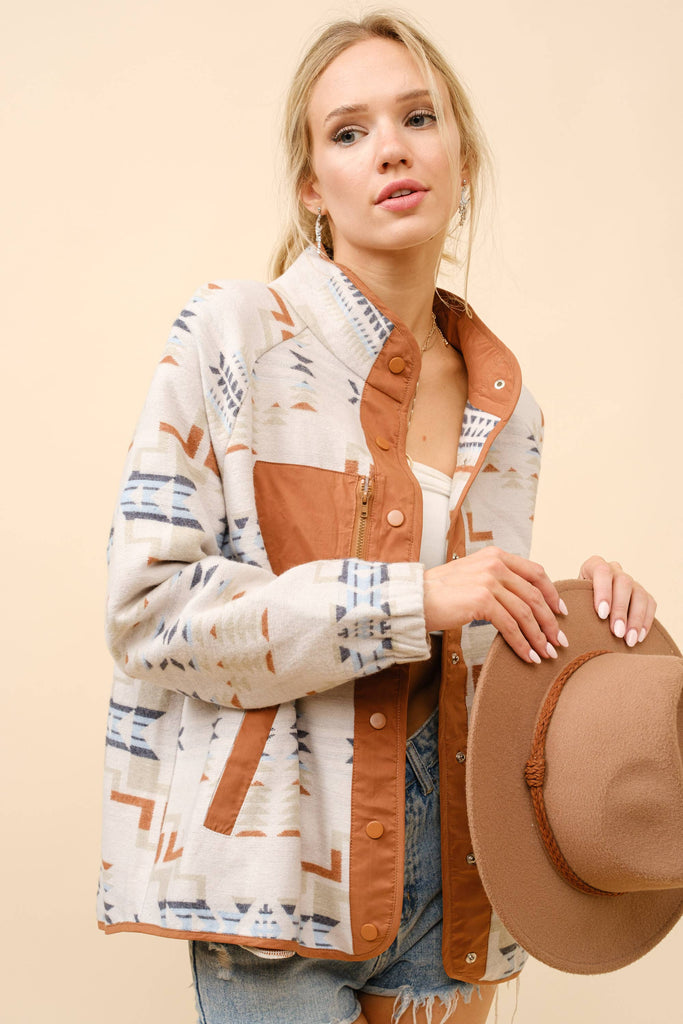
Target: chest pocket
[(305, 514)]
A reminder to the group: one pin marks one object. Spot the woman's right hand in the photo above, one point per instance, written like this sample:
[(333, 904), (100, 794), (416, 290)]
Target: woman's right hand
[(512, 593)]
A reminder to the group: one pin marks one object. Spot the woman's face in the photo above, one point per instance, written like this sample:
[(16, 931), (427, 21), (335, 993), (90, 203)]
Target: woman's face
[(381, 172)]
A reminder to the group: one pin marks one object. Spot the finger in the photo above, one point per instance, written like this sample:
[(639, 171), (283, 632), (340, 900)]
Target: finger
[(526, 614), (601, 573), (622, 590), (535, 574), (649, 618), (637, 614), (508, 626), (588, 568), (511, 617), (533, 597)]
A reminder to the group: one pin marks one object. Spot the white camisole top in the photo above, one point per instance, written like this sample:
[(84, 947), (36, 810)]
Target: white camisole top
[(436, 491)]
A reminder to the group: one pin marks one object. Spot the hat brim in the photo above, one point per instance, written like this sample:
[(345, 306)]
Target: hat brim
[(562, 927)]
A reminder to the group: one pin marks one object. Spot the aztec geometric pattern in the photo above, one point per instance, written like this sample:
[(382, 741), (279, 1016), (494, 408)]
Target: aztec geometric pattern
[(513, 483), (137, 743), (363, 582), (370, 325), (476, 427), (159, 497), (505, 956), (217, 654)]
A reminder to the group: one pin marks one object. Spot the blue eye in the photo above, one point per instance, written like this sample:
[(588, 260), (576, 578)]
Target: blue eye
[(346, 136), (421, 118)]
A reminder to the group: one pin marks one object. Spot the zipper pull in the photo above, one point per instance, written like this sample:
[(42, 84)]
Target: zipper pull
[(364, 495)]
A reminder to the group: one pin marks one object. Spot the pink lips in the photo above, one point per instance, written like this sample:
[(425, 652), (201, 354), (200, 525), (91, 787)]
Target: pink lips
[(416, 193)]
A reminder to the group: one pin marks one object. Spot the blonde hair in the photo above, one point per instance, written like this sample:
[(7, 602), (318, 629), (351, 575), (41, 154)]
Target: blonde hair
[(299, 225)]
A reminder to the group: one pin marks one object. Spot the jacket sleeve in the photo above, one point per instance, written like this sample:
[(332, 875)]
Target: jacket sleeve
[(195, 607)]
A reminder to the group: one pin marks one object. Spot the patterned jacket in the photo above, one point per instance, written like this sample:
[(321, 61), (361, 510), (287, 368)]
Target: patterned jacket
[(263, 611)]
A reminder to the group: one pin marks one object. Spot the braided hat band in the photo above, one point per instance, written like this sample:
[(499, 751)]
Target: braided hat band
[(534, 774)]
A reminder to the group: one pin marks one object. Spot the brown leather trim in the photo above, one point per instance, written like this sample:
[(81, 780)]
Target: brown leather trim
[(466, 909), (467, 912), (487, 358), (239, 770), (395, 487), (384, 409), (305, 513), (376, 872)]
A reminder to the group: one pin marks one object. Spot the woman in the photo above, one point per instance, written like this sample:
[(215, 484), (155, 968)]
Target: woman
[(325, 518)]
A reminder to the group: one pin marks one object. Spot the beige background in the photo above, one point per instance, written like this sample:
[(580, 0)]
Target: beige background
[(137, 161)]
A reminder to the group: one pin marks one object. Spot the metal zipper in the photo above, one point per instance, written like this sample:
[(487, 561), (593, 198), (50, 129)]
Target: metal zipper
[(363, 504)]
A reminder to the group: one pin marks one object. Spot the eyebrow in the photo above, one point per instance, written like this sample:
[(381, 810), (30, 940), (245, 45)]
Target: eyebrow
[(355, 108)]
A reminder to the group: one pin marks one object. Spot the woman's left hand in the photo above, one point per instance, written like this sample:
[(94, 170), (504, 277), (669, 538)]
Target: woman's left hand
[(617, 596)]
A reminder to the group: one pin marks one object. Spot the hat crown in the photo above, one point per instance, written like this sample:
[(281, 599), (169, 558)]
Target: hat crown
[(614, 777)]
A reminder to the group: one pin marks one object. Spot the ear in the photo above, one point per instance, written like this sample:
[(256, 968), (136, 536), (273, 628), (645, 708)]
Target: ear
[(311, 198)]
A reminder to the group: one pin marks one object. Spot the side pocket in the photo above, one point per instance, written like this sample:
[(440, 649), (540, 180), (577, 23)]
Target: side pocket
[(239, 770)]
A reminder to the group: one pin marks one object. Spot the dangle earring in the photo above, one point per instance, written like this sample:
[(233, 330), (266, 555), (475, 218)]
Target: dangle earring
[(464, 203), (319, 233)]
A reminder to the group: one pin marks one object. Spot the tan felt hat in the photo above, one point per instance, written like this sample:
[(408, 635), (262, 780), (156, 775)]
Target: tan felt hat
[(575, 792)]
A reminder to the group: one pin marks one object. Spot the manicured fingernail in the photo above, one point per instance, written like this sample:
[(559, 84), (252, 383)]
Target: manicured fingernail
[(603, 609), (536, 658), (551, 650), (563, 607), (642, 635), (632, 637), (562, 640), (619, 628)]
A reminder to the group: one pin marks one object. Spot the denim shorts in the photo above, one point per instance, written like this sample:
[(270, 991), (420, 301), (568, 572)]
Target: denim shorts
[(234, 986)]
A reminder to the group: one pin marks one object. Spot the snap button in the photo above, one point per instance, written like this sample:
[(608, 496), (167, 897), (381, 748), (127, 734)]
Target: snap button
[(382, 443), (454, 556), (378, 720), (375, 829), (454, 659), (471, 859), (397, 365), (470, 958), (460, 757), (395, 517), (499, 384), (369, 932)]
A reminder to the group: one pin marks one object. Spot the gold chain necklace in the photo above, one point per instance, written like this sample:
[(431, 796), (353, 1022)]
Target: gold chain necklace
[(428, 339), (424, 348)]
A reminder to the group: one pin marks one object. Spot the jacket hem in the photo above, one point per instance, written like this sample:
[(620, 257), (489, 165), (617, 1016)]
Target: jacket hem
[(247, 941), (313, 953)]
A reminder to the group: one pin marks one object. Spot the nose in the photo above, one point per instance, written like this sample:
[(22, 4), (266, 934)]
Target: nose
[(392, 148)]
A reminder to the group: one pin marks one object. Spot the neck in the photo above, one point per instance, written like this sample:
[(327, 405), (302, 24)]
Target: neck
[(403, 281)]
